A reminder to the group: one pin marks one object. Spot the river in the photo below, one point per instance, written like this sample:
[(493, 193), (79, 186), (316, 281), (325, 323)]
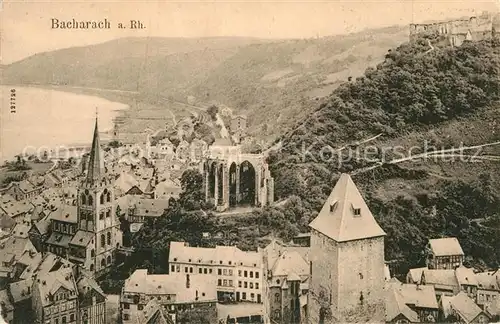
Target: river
[(42, 119)]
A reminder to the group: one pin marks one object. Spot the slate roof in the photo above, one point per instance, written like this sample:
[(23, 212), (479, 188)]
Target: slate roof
[(150, 207), (465, 307), (446, 246), (21, 230), (466, 276), (65, 213), (290, 262), (337, 219), (395, 305), (172, 284), (50, 282), (14, 208), (81, 238), (487, 281), (21, 290), (422, 296), (416, 274), (441, 277), (59, 239)]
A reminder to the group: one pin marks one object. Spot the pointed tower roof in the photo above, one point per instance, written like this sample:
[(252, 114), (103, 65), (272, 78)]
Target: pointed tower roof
[(345, 215), (96, 158)]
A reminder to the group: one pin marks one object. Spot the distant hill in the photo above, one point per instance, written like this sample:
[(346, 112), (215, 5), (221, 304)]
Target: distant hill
[(274, 82), (418, 101)]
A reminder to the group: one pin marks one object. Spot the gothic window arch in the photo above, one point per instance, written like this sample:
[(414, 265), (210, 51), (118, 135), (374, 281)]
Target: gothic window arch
[(103, 240), (108, 259), (101, 198), (92, 253), (91, 201), (277, 314), (83, 199), (103, 262), (108, 238), (108, 196), (92, 267)]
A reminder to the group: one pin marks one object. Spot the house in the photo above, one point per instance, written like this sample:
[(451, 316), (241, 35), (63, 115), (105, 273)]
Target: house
[(177, 292), (488, 288), (444, 281), (444, 253), (39, 232), (462, 309), (63, 225), (17, 210), (467, 281), (396, 310), (238, 273), (167, 189), (414, 275), (420, 299), (152, 313), (11, 251), (23, 189), (144, 208)]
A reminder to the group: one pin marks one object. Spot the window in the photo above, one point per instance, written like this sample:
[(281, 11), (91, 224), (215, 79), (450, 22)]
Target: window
[(103, 262), (230, 272), (245, 284), (83, 199), (140, 307), (277, 297), (209, 270), (251, 285), (126, 317), (108, 213), (109, 238), (101, 198), (239, 284), (257, 274), (256, 285), (172, 268), (177, 268), (205, 271), (245, 274), (251, 274), (186, 269), (190, 269), (219, 282), (57, 321), (200, 270), (239, 273), (101, 215), (252, 296), (219, 272), (64, 319), (357, 211), (108, 259), (103, 240), (230, 282), (224, 282), (72, 317), (244, 295), (126, 306)]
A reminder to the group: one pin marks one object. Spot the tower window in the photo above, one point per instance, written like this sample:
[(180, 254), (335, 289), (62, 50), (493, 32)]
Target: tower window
[(91, 200), (103, 240), (109, 238)]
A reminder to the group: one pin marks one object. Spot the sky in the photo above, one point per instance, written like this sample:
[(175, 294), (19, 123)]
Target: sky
[(26, 25)]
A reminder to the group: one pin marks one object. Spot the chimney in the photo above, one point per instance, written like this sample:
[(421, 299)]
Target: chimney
[(187, 281)]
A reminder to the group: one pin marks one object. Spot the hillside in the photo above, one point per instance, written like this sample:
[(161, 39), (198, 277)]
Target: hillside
[(417, 101), (274, 82)]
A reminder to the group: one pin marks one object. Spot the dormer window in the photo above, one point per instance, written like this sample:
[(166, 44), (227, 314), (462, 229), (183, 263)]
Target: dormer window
[(333, 204), (356, 210)]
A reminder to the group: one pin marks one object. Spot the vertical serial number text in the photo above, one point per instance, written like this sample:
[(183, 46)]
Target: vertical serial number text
[(12, 101)]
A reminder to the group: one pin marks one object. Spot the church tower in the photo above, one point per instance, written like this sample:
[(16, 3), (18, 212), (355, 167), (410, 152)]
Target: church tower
[(346, 260), (97, 220)]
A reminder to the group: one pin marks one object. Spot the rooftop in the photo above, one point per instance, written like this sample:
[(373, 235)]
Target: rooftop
[(345, 215), (445, 246)]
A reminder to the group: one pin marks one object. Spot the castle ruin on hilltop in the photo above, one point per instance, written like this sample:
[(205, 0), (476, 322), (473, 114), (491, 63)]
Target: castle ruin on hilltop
[(485, 26)]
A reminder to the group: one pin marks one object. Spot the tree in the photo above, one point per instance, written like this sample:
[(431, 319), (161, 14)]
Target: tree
[(192, 196)]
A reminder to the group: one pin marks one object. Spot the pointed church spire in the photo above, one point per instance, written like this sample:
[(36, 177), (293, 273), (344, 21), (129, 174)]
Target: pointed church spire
[(96, 162)]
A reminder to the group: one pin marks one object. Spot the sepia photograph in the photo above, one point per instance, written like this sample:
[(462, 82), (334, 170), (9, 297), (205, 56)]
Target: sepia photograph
[(249, 162)]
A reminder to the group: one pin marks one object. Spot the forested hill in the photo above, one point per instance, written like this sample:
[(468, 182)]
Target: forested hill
[(414, 100)]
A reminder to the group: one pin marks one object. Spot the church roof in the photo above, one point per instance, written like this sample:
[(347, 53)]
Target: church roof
[(96, 159), (345, 215)]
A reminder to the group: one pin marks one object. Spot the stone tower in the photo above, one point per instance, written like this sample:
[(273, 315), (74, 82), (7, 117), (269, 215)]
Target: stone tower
[(97, 220), (346, 260)]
